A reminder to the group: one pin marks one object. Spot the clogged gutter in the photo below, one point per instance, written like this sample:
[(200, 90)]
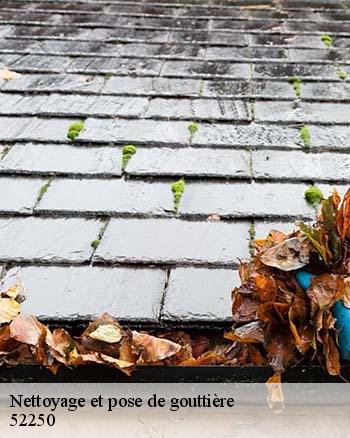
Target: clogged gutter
[(293, 305)]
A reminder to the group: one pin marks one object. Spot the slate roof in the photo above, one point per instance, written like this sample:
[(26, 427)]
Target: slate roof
[(140, 72)]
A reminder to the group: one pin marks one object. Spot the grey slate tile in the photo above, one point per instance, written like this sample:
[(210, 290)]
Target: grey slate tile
[(54, 83), (256, 135), (190, 161), (59, 158), (5, 30), (287, 39), (197, 294), (244, 199), (245, 54), (18, 194), (317, 55), (325, 90), (72, 105), (11, 128), (117, 66), (152, 86), (330, 136), (86, 292), (223, 88), (198, 109), (281, 70), (42, 129), (176, 132), (135, 131), (44, 64), (271, 111), (300, 165), (173, 241), (107, 196), (96, 105), (314, 91), (273, 89), (205, 69), (7, 61), (47, 240)]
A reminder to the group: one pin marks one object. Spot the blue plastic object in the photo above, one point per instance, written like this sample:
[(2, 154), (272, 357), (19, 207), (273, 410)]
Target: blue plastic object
[(304, 279), (340, 312)]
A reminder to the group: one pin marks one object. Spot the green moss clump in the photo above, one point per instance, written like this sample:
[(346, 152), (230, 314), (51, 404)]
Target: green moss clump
[(342, 74), (295, 81), (178, 189), (252, 234), (75, 129), (95, 243), (193, 128), (305, 136), (327, 40), (313, 196), (43, 190), (5, 151), (127, 152)]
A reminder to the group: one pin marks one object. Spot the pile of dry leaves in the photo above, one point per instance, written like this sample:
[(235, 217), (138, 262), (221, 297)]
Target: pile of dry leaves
[(26, 341), (277, 323), (275, 315)]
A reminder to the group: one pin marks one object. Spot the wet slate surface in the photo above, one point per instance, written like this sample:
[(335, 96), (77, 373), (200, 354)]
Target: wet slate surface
[(52, 292), (33, 158), (173, 241), (199, 294), (140, 73), (47, 240), (19, 194)]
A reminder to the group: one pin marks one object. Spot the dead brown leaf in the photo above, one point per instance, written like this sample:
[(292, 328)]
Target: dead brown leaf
[(275, 396), (110, 333), (252, 332), (244, 307), (153, 349), (266, 287), (343, 217), (279, 347), (300, 325), (9, 309), (291, 254), (28, 330), (325, 290)]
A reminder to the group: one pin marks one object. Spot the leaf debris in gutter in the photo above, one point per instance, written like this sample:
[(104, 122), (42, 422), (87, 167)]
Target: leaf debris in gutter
[(285, 310)]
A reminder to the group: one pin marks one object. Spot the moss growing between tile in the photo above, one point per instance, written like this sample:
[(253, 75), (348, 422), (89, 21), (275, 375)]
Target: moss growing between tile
[(341, 74), (5, 151), (305, 136), (313, 196), (295, 81), (192, 128), (75, 129), (178, 189), (95, 243), (127, 152), (201, 89), (252, 234), (327, 40), (43, 190)]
